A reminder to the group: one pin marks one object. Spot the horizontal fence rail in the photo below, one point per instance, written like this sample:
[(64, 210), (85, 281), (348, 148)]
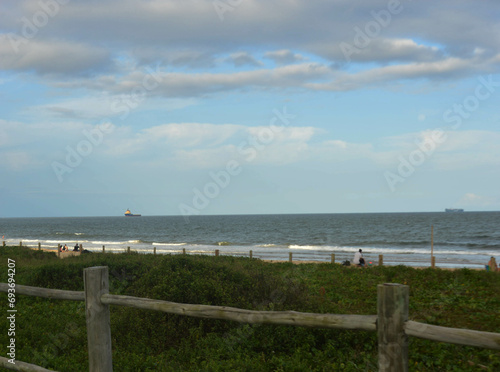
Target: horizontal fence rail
[(22, 366), (467, 337), (57, 294), (359, 322), (391, 323)]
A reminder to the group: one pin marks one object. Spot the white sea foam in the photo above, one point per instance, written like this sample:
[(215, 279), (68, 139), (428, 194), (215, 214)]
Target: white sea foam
[(106, 243), (168, 244)]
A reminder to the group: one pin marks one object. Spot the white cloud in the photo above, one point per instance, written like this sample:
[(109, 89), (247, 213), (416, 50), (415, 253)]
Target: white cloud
[(449, 68), (382, 50), (284, 57), (240, 59), (176, 84), (51, 57)]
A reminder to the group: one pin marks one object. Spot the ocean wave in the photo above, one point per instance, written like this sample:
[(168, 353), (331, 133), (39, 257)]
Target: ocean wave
[(106, 243), (378, 250), (167, 244)]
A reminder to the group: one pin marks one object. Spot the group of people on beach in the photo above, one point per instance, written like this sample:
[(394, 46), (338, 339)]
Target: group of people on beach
[(360, 261), (66, 249)]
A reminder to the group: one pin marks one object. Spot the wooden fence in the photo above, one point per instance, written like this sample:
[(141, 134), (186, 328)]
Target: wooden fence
[(391, 322), (70, 253)]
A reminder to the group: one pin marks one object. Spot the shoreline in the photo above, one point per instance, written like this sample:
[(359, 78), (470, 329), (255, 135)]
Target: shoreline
[(72, 253)]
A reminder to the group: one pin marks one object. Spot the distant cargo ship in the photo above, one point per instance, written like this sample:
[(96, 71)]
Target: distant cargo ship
[(453, 210), (130, 214)]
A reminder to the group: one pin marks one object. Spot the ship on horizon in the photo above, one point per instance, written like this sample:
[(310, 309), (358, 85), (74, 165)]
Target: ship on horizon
[(130, 214), (453, 210)]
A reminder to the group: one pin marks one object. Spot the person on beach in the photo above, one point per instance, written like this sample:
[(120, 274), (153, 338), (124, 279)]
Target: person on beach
[(358, 258), (492, 264), (76, 248)]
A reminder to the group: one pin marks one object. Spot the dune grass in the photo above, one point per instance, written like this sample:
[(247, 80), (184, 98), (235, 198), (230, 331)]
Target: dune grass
[(52, 333)]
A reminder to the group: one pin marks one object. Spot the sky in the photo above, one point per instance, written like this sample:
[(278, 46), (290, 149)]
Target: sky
[(248, 106)]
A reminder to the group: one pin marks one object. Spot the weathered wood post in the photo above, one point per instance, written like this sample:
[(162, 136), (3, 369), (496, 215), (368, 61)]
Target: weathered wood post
[(103, 249), (81, 248), (128, 249), (216, 253), (96, 284), (4, 243), (392, 310), (20, 243), (333, 258), (183, 250), (290, 259), (381, 260), (39, 246), (433, 262), (251, 253), (154, 250)]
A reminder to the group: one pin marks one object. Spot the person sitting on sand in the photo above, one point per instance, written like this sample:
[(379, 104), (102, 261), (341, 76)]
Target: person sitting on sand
[(76, 248), (358, 258), (492, 264)]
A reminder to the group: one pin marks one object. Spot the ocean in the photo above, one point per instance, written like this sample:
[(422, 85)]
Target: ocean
[(465, 239)]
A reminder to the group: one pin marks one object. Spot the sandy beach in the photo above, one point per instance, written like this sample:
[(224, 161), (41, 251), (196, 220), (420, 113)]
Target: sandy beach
[(296, 262)]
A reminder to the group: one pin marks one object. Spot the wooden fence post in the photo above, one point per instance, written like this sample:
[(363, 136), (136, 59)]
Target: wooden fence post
[(4, 243), (333, 258), (128, 249), (154, 250), (392, 311), (96, 283), (290, 259), (39, 246), (103, 249), (216, 252), (433, 262), (20, 243), (183, 250), (381, 260), (251, 253)]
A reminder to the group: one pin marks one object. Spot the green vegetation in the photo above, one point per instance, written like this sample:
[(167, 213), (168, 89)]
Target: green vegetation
[(52, 333)]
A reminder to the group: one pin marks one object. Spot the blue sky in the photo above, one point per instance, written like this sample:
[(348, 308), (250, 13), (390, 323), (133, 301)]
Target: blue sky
[(248, 106)]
